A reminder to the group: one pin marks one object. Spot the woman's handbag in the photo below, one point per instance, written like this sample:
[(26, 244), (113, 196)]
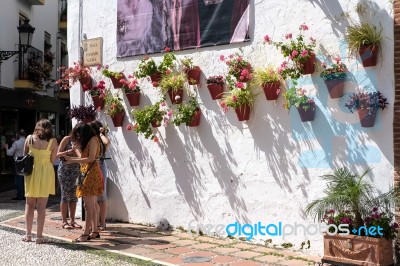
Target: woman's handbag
[(82, 176), (24, 165)]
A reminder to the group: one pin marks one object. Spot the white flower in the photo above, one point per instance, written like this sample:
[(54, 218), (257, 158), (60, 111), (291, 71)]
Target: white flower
[(177, 98)]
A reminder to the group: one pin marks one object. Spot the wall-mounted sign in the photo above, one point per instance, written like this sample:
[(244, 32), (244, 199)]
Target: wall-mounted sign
[(93, 52)]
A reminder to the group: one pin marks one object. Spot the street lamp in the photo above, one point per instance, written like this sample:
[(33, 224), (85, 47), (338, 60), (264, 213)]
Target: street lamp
[(25, 39)]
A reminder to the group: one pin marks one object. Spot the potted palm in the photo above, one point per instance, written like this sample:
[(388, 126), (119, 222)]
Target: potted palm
[(192, 72), (360, 225), (173, 83), (270, 80), (215, 85), (115, 109), (367, 104), (132, 91), (365, 40), (304, 104), (188, 113), (334, 76), (97, 94), (116, 77), (240, 97), (153, 115)]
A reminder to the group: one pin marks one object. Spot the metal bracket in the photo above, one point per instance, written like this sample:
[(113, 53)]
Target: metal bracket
[(5, 55)]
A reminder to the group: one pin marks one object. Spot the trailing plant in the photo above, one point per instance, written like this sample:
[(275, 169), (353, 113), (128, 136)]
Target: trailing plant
[(70, 75), (148, 66), (239, 94), (98, 90), (366, 100), (82, 112), (113, 104), (334, 71), (297, 97), (130, 86), (217, 80), (239, 68), (185, 111)]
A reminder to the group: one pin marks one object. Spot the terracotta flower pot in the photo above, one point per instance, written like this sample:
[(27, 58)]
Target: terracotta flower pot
[(369, 55), (357, 250), (307, 115), (98, 102), (86, 83), (118, 119), (216, 91), (335, 87), (193, 75), (156, 77), (367, 117), (116, 81), (243, 112), (271, 90), (133, 98), (173, 96), (195, 119), (308, 67), (155, 123)]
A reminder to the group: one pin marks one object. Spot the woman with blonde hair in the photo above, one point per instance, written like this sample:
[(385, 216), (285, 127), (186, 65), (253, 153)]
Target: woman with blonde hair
[(41, 183)]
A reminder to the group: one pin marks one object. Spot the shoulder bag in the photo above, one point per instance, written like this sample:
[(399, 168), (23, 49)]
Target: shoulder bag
[(24, 164), (82, 176)]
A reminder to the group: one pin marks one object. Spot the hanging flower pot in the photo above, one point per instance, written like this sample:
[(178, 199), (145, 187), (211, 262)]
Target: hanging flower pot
[(335, 87), (98, 102), (116, 81), (193, 75), (307, 114), (271, 90), (369, 55), (308, 67), (118, 119), (86, 83), (133, 98), (195, 119), (367, 117), (175, 96), (216, 91), (155, 123), (156, 77), (243, 112)]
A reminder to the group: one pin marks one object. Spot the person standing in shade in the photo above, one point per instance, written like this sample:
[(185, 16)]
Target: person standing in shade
[(67, 174), (17, 150), (101, 207), (41, 183), (88, 144)]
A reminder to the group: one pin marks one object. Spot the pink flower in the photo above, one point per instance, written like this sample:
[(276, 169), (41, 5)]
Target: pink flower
[(167, 50), (155, 139), (168, 72), (337, 59), (231, 56), (239, 59), (234, 98), (222, 57), (106, 66), (170, 113), (278, 91), (240, 85), (280, 69), (132, 85), (288, 36), (267, 39), (155, 84), (303, 27), (163, 104), (130, 76), (129, 127), (294, 53), (244, 72), (304, 53), (98, 67)]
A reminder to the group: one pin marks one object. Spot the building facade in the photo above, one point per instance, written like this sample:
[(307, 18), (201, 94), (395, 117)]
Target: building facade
[(264, 170)]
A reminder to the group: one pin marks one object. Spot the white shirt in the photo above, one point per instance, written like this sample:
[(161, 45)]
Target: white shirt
[(17, 148)]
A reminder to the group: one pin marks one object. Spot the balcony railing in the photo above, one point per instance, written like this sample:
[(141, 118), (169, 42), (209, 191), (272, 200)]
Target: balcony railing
[(30, 69)]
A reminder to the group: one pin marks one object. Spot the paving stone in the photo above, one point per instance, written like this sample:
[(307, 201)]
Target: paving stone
[(162, 246), (173, 260), (247, 254), (245, 263), (223, 250), (224, 259), (184, 242), (139, 251), (157, 255), (180, 250), (295, 263), (244, 246), (265, 250), (269, 259), (203, 246), (199, 264), (201, 254)]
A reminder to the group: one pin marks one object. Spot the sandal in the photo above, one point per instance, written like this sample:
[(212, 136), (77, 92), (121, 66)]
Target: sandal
[(27, 238), (66, 225), (41, 240), (97, 235), (102, 227), (81, 238), (75, 225)]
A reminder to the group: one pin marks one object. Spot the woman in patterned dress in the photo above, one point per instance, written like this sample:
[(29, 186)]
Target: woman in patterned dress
[(67, 175), (41, 183), (88, 143)]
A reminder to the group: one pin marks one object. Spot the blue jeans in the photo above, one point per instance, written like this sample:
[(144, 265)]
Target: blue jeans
[(19, 184)]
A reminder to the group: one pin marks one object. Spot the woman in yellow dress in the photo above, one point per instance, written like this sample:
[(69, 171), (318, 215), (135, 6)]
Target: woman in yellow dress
[(41, 183), (89, 146)]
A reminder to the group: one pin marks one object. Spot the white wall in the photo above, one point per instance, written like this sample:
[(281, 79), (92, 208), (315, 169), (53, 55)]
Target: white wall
[(266, 169)]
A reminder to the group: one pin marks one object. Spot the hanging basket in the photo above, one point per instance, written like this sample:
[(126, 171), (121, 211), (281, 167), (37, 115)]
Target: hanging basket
[(369, 55), (86, 83), (308, 114), (116, 82), (308, 67), (118, 119), (335, 87), (243, 112), (98, 102), (155, 123), (172, 95), (193, 75), (271, 90), (367, 117), (133, 98), (195, 119), (216, 91)]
